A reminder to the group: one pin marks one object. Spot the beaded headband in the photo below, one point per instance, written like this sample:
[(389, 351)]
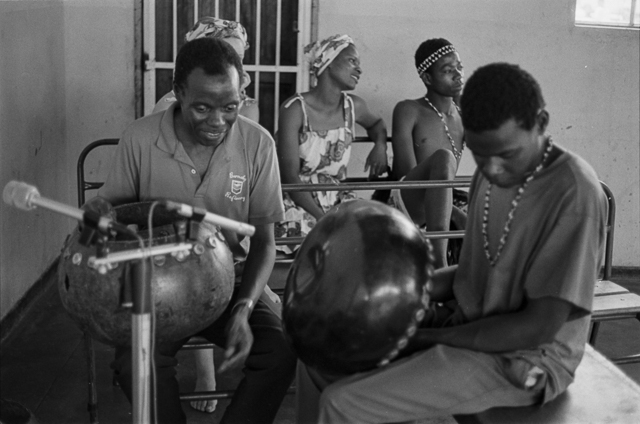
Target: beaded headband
[(433, 58)]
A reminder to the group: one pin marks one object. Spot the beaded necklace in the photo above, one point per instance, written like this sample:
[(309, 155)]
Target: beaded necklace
[(456, 154), (514, 205)]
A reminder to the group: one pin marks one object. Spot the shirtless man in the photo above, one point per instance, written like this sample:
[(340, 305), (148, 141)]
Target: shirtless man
[(428, 140)]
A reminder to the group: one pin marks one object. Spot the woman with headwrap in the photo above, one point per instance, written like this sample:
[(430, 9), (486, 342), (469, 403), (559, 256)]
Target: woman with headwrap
[(233, 33), (315, 131)]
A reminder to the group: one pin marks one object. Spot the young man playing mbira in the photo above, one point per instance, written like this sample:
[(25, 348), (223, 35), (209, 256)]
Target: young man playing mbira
[(428, 139), (522, 303)]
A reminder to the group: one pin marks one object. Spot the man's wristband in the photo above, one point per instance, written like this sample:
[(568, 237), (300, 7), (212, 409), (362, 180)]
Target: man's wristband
[(243, 301)]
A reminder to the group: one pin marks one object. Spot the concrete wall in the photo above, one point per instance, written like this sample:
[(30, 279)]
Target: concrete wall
[(66, 78), (590, 77)]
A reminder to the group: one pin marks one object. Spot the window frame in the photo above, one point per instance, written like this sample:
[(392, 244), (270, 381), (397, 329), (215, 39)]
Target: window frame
[(630, 25)]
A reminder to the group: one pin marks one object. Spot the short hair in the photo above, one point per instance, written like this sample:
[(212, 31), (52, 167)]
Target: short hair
[(498, 92), (427, 48), (213, 55)]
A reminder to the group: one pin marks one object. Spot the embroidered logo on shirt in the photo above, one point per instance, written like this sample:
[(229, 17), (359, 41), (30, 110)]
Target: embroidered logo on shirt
[(237, 184)]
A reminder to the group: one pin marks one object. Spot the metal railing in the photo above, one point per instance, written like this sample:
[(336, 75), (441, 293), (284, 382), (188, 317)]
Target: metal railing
[(353, 184)]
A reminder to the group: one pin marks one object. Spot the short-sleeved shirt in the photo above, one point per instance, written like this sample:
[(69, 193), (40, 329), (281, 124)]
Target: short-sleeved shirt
[(554, 249), (242, 181)]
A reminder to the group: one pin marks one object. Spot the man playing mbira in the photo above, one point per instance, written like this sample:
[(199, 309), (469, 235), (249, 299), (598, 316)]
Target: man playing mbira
[(200, 152), (522, 303)]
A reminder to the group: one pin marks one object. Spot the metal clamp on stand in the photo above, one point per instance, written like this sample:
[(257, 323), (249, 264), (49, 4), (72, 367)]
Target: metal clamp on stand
[(90, 231), (193, 224)]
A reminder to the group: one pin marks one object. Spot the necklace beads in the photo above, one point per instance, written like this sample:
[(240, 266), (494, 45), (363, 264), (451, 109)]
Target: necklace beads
[(457, 154), (514, 205)]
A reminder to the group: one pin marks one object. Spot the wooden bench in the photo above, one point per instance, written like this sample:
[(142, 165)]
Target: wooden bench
[(601, 393), (607, 288)]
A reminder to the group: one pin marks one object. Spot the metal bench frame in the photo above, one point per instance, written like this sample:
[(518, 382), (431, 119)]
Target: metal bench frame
[(351, 184)]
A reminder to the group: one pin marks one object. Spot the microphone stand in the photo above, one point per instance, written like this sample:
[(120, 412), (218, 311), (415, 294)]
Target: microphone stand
[(141, 343), (136, 291), (141, 318)]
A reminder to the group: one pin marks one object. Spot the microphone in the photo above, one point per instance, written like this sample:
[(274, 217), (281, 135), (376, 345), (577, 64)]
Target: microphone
[(221, 221), (27, 197)]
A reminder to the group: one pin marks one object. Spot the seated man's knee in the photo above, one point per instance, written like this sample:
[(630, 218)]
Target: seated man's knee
[(443, 165), (272, 352), (331, 397), (340, 402)]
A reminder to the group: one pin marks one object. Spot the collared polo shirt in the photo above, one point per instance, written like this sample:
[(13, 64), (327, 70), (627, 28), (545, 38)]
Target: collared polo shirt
[(242, 181)]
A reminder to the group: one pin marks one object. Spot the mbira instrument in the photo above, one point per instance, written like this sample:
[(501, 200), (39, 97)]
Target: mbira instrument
[(356, 290), (190, 289)]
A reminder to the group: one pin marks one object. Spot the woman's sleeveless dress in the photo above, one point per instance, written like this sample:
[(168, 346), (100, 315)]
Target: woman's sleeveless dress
[(324, 156)]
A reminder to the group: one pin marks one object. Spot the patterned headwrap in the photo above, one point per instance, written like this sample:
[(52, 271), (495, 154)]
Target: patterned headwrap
[(433, 58), (209, 26), (321, 53), (217, 28)]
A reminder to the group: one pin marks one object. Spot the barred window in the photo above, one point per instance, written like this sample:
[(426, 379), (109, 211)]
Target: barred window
[(277, 31)]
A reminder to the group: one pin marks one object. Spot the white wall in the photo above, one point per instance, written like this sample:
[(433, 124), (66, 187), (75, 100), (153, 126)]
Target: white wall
[(590, 77), (99, 78), (66, 78)]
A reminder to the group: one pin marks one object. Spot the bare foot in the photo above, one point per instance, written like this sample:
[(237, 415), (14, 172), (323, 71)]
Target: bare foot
[(274, 297), (205, 380)]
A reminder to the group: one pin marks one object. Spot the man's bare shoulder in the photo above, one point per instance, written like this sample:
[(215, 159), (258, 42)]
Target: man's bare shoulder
[(411, 107), (409, 104), (412, 110)]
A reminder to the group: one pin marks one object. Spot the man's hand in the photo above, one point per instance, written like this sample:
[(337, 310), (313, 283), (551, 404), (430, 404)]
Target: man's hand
[(239, 338), (377, 160)]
